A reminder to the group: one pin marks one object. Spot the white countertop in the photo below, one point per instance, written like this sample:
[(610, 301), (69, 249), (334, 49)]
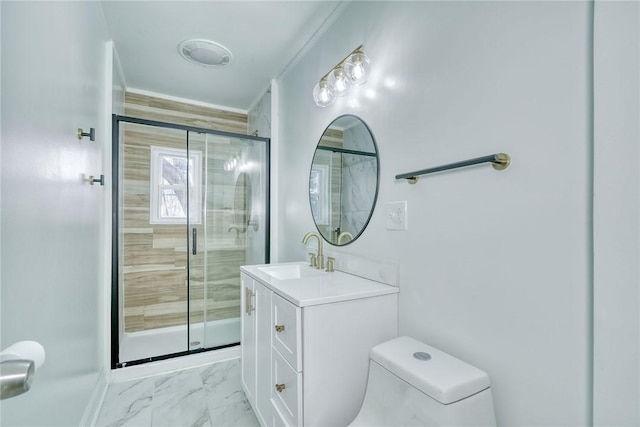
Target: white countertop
[(317, 286)]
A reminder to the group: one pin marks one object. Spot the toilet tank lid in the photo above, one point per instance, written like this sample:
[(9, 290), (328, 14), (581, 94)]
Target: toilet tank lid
[(442, 377)]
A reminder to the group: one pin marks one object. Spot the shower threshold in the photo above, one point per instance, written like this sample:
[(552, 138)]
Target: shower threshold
[(156, 343)]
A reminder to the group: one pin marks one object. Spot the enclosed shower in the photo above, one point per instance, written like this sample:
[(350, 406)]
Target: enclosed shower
[(190, 207)]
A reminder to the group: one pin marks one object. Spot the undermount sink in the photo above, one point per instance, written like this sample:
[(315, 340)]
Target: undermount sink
[(290, 271)]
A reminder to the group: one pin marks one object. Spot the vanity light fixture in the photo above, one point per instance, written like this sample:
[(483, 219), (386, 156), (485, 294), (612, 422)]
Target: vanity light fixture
[(339, 81), (234, 163), (323, 94), (354, 69), (358, 67)]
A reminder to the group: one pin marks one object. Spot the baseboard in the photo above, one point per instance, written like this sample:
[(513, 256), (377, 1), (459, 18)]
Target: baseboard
[(92, 411)]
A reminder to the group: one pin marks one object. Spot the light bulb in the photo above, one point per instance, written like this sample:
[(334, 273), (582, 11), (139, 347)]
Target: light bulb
[(357, 68), (323, 94), (339, 81)]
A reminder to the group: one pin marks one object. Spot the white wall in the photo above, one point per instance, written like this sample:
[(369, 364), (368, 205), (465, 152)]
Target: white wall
[(53, 65), (617, 214), (495, 266)]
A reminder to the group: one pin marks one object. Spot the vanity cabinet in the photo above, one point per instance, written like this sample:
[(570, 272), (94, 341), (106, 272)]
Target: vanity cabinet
[(256, 346), (248, 337), (305, 350)]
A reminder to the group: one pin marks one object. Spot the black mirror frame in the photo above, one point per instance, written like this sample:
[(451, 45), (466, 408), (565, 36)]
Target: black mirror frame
[(375, 197)]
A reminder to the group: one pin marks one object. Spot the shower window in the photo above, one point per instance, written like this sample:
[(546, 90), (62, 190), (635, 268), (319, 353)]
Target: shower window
[(174, 177), (319, 193)]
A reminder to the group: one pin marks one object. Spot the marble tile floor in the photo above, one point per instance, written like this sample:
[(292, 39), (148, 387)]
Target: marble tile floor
[(208, 396)]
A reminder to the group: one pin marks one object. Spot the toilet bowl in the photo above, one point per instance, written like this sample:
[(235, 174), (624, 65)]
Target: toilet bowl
[(413, 384)]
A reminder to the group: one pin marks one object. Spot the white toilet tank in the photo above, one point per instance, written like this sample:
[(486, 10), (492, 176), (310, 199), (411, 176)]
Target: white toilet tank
[(413, 384)]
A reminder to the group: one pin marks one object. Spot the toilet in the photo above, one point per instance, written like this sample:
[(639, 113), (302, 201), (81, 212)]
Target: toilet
[(413, 384)]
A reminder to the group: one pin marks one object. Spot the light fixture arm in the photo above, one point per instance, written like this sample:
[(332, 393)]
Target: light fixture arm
[(341, 63)]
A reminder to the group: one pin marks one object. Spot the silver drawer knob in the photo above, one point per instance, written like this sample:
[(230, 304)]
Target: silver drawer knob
[(279, 328), (280, 387)]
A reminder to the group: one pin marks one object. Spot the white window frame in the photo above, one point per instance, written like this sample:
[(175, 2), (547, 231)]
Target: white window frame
[(322, 215), (195, 197)]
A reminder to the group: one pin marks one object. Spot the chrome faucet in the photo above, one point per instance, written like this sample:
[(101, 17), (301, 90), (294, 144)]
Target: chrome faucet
[(319, 257)]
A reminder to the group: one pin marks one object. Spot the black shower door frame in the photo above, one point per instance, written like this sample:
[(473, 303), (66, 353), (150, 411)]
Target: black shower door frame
[(115, 221)]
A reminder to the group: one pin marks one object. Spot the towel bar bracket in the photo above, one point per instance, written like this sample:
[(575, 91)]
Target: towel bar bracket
[(501, 162)]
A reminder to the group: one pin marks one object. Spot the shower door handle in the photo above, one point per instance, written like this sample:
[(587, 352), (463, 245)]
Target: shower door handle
[(194, 241)]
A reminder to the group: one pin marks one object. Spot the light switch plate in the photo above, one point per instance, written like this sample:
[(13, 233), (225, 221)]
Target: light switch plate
[(397, 216)]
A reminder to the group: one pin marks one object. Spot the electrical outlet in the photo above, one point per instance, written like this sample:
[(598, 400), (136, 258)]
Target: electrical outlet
[(397, 216)]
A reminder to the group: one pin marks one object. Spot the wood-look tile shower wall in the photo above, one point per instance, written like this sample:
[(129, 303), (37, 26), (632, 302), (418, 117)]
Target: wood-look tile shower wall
[(333, 138), (154, 256)]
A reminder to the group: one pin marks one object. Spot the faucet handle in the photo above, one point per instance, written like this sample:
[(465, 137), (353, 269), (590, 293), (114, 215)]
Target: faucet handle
[(330, 261), (313, 262)]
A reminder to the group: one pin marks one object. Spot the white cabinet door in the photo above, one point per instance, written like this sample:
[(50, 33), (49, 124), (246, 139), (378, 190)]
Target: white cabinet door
[(263, 406), (248, 337)]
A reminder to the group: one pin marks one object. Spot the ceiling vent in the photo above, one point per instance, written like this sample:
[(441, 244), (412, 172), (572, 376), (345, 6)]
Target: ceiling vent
[(205, 53)]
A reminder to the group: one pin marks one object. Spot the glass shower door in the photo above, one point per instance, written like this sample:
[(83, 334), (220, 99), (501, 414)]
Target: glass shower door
[(152, 231), (191, 208), (231, 232)]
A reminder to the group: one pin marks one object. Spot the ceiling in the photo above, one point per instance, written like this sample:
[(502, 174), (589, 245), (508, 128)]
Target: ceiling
[(263, 37)]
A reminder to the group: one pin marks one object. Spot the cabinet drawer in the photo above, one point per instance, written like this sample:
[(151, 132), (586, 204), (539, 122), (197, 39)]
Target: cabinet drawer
[(286, 331), (277, 418), (286, 393)]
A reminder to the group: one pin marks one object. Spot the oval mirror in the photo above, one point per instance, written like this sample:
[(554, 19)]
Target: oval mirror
[(343, 181), (242, 201)]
